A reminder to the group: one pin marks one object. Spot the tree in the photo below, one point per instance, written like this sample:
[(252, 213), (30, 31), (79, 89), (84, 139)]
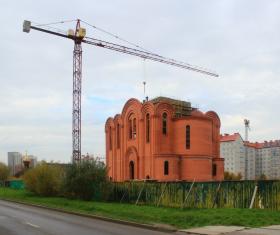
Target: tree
[(86, 180), (45, 179), (4, 172), (232, 176)]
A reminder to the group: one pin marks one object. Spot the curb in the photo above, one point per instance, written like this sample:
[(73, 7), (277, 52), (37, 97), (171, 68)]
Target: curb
[(107, 219)]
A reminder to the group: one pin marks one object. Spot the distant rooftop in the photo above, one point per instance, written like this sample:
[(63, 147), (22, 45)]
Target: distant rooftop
[(271, 143), (265, 144), (182, 108), (228, 137)]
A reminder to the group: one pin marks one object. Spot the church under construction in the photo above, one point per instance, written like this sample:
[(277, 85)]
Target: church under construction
[(163, 139)]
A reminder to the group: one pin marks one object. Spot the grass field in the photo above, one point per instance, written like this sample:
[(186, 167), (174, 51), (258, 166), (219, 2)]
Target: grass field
[(152, 215)]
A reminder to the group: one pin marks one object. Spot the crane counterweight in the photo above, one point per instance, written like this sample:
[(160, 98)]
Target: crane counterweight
[(26, 26)]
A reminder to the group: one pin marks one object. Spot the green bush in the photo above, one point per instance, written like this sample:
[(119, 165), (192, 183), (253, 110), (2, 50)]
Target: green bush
[(4, 172), (86, 180), (44, 179)]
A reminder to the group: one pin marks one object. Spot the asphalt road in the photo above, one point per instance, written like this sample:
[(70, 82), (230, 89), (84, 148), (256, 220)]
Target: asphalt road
[(17, 219)]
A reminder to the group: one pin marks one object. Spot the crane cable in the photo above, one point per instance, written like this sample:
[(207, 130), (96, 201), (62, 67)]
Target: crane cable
[(53, 23), (91, 25), (57, 22), (115, 36)]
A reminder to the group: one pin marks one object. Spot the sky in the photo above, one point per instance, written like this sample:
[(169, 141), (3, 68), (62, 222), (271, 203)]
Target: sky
[(237, 39)]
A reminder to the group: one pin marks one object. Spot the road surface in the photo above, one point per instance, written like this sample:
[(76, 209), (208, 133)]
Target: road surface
[(17, 219)]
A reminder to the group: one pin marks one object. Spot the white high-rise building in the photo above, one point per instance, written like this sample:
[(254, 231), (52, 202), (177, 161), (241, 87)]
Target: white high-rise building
[(14, 162), (233, 151), (252, 160), (269, 160), (33, 161)]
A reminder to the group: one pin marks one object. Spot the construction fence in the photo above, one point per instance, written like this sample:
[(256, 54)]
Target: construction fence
[(226, 194), (14, 184)]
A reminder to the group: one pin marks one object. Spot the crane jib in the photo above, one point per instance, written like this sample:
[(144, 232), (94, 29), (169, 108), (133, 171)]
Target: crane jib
[(130, 51)]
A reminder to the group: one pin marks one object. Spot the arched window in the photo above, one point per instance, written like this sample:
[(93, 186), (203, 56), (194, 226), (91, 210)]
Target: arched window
[(188, 137), (110, 138), (166, 167), (130, 128), (164, 123), (134, 128), (118, 135), (147, 128)]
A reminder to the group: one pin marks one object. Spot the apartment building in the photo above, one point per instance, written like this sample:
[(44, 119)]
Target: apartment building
[(252, 160), (14, 162), (233, 151), (269, 159)]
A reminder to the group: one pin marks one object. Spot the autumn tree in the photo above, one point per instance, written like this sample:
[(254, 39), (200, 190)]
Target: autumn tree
[(45, 179), (232, 176)]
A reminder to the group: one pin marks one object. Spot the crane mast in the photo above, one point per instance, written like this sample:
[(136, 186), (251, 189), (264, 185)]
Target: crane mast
[(77, 96), (78, 36)]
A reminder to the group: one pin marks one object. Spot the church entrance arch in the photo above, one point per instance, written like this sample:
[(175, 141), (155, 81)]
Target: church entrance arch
[(131, 170), (132, 164)]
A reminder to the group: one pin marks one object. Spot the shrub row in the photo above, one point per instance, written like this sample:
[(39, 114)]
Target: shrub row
[(86, 180)]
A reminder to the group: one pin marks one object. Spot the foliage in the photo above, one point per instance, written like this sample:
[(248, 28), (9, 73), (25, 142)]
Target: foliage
[(20, 173), (263, 177), (45, 179), (86, 180), (151, 214), (232, 176), (4, 172)]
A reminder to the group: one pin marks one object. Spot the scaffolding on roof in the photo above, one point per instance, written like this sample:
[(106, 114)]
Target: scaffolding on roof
[(182, 108)]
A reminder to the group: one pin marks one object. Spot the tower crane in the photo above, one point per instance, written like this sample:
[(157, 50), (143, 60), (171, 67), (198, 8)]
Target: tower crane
[(247, 128), (79, 36)]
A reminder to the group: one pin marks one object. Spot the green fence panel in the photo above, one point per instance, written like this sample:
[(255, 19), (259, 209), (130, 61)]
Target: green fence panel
[(16, 184), (225, 194)]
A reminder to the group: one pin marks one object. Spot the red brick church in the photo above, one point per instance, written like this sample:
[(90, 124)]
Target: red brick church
[(165, 140)]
